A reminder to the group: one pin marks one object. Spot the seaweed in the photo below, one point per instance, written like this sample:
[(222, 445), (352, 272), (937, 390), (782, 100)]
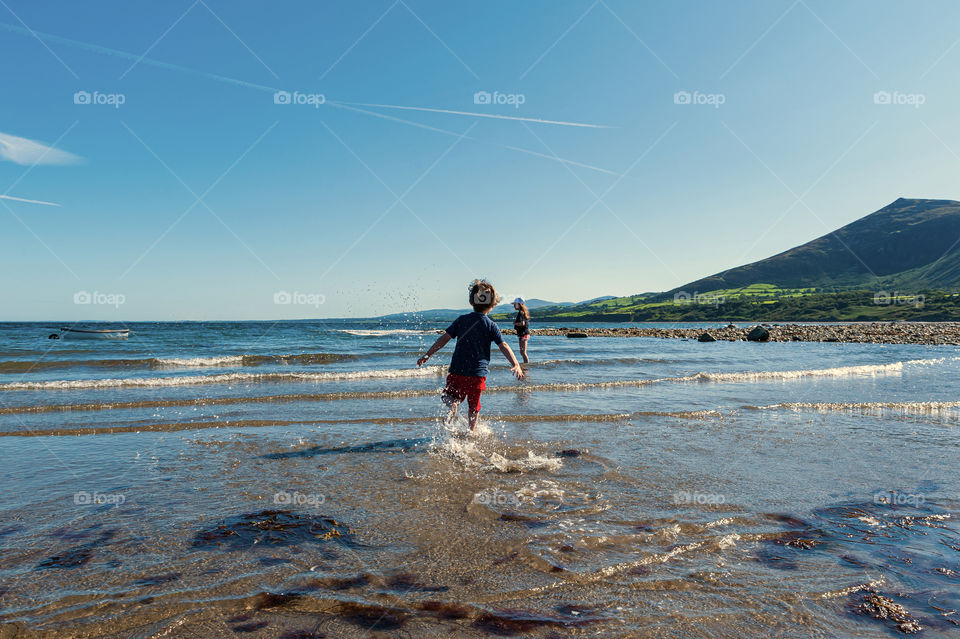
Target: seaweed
[(156, 580), (881, 608), (526, 520), (512, 622), (79, 555), (373, 617), (271, 528), (266, 600), (337, 583), (442, 610), (406, 582), (401, 445), (71, 558)]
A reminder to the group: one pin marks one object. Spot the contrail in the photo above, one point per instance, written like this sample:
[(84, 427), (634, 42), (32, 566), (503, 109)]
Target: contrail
[(341, 105), (20, 199), (136, 58), (478, 115)]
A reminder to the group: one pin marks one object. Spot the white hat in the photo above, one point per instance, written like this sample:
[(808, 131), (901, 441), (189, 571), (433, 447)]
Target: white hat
[(519, 300)]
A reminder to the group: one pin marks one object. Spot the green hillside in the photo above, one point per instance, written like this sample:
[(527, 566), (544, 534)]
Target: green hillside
[(901, 262)]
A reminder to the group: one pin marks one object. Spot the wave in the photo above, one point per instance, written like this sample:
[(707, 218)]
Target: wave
[(608, 361), (428, 371), (907, 408), (726, 378), (221, 378), (387, 332), (303, 359), (215, 361), (262, 423)]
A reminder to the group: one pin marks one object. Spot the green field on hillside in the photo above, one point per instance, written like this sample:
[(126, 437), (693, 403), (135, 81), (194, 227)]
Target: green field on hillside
[(764, 302)]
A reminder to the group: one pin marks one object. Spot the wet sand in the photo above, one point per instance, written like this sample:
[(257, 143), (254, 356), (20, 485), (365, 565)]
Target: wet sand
[(860, 333)]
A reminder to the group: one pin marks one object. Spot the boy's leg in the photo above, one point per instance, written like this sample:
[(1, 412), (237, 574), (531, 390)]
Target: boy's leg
[(452, 396), (452, 415), (473, 402)]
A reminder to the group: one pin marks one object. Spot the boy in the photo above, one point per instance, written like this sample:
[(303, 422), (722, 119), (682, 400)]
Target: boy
[(471, 357)]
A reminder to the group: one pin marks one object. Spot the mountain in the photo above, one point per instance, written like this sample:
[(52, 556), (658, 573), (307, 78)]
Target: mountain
[(911, 244), (901, 262)]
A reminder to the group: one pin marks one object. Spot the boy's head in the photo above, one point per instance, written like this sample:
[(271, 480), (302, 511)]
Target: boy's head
[(483, 297)]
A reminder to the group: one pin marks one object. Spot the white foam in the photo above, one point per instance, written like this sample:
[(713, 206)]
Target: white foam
[(427, 371), (386, 332), (907, 408), (205, 362), (519, 465), (839, 371), (468, 453), (223, 378)]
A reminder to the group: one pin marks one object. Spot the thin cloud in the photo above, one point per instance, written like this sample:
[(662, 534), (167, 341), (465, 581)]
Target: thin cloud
[(31, 153), (139, 59), (479, 115), (22, 199)]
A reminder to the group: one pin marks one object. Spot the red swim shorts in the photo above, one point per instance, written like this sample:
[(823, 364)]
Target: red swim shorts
[(460, 387)]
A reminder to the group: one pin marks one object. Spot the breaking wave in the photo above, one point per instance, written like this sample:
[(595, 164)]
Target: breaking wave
[(429, 371)]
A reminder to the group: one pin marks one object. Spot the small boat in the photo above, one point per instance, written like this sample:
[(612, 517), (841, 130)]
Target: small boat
[(89, 333)]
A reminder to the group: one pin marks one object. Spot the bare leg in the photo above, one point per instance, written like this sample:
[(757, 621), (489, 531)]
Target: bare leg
[(474, 418), (452, 415), (523, 351)]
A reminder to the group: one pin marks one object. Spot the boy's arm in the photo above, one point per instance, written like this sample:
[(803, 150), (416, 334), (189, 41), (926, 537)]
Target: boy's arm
[(514, 364), (437, 345)]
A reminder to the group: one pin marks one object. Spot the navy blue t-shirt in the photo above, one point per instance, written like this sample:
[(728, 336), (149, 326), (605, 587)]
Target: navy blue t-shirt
[(474, 332)]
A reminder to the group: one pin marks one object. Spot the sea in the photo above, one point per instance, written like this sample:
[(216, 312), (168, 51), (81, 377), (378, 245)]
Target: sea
[(298, 479)]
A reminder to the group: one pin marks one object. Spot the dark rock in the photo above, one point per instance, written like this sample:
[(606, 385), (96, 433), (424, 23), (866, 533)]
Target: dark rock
[(758, 334), (576, 335), (706, 337)]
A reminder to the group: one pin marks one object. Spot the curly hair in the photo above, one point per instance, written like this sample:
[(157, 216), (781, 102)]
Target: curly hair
[(483, 297)]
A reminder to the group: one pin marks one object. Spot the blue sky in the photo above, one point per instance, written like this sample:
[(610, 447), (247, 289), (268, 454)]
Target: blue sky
[(201, 197)]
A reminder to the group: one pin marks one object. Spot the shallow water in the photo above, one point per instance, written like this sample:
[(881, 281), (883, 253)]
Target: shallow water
[(261, 480)]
